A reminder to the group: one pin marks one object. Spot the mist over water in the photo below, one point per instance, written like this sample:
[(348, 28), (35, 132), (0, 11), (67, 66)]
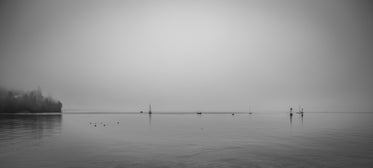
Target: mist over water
[(191, 55)]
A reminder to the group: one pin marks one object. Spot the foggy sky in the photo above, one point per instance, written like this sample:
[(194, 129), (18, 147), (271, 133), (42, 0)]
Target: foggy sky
[(191, 55)]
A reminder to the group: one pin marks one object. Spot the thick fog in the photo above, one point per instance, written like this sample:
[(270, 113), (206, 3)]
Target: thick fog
[(191, 55)]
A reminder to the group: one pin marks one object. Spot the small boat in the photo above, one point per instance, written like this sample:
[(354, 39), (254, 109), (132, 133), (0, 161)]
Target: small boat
[(300, 110), (199, 113)]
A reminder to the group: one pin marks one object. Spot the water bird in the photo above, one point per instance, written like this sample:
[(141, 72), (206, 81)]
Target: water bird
[(232, 113)]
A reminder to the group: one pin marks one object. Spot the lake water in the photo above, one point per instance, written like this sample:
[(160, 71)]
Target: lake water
[(187, 140)]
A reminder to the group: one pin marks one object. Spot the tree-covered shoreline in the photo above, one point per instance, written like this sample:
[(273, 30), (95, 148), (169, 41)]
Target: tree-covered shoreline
[(27, 102)]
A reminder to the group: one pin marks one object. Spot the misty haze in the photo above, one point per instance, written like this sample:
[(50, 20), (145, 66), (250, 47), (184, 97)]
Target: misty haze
[(186, 83)]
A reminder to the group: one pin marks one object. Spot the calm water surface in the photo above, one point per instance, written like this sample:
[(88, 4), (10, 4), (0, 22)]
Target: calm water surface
[(187, 140)]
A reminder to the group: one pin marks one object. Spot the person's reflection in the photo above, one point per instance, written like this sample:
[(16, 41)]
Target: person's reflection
[(291, 115), (150, 120)]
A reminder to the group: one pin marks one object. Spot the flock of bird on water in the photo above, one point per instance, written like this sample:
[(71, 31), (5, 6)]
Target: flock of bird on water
[(101, 123)]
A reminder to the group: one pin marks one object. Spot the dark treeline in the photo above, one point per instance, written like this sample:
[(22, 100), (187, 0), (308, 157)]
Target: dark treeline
[(27, 102)]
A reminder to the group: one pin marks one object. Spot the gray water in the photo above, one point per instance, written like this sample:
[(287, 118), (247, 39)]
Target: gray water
[(187, 140)]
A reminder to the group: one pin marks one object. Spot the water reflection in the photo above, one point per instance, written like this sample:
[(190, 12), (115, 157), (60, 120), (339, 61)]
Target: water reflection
[(150, 120), (213, 140), (29, 126)]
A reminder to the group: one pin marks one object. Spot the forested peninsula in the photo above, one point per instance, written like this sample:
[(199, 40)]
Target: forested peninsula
[(14, 101)]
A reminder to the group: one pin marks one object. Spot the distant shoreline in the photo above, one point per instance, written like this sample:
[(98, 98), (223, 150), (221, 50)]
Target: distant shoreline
[(161, 113), (45, 113), (145, 113)]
